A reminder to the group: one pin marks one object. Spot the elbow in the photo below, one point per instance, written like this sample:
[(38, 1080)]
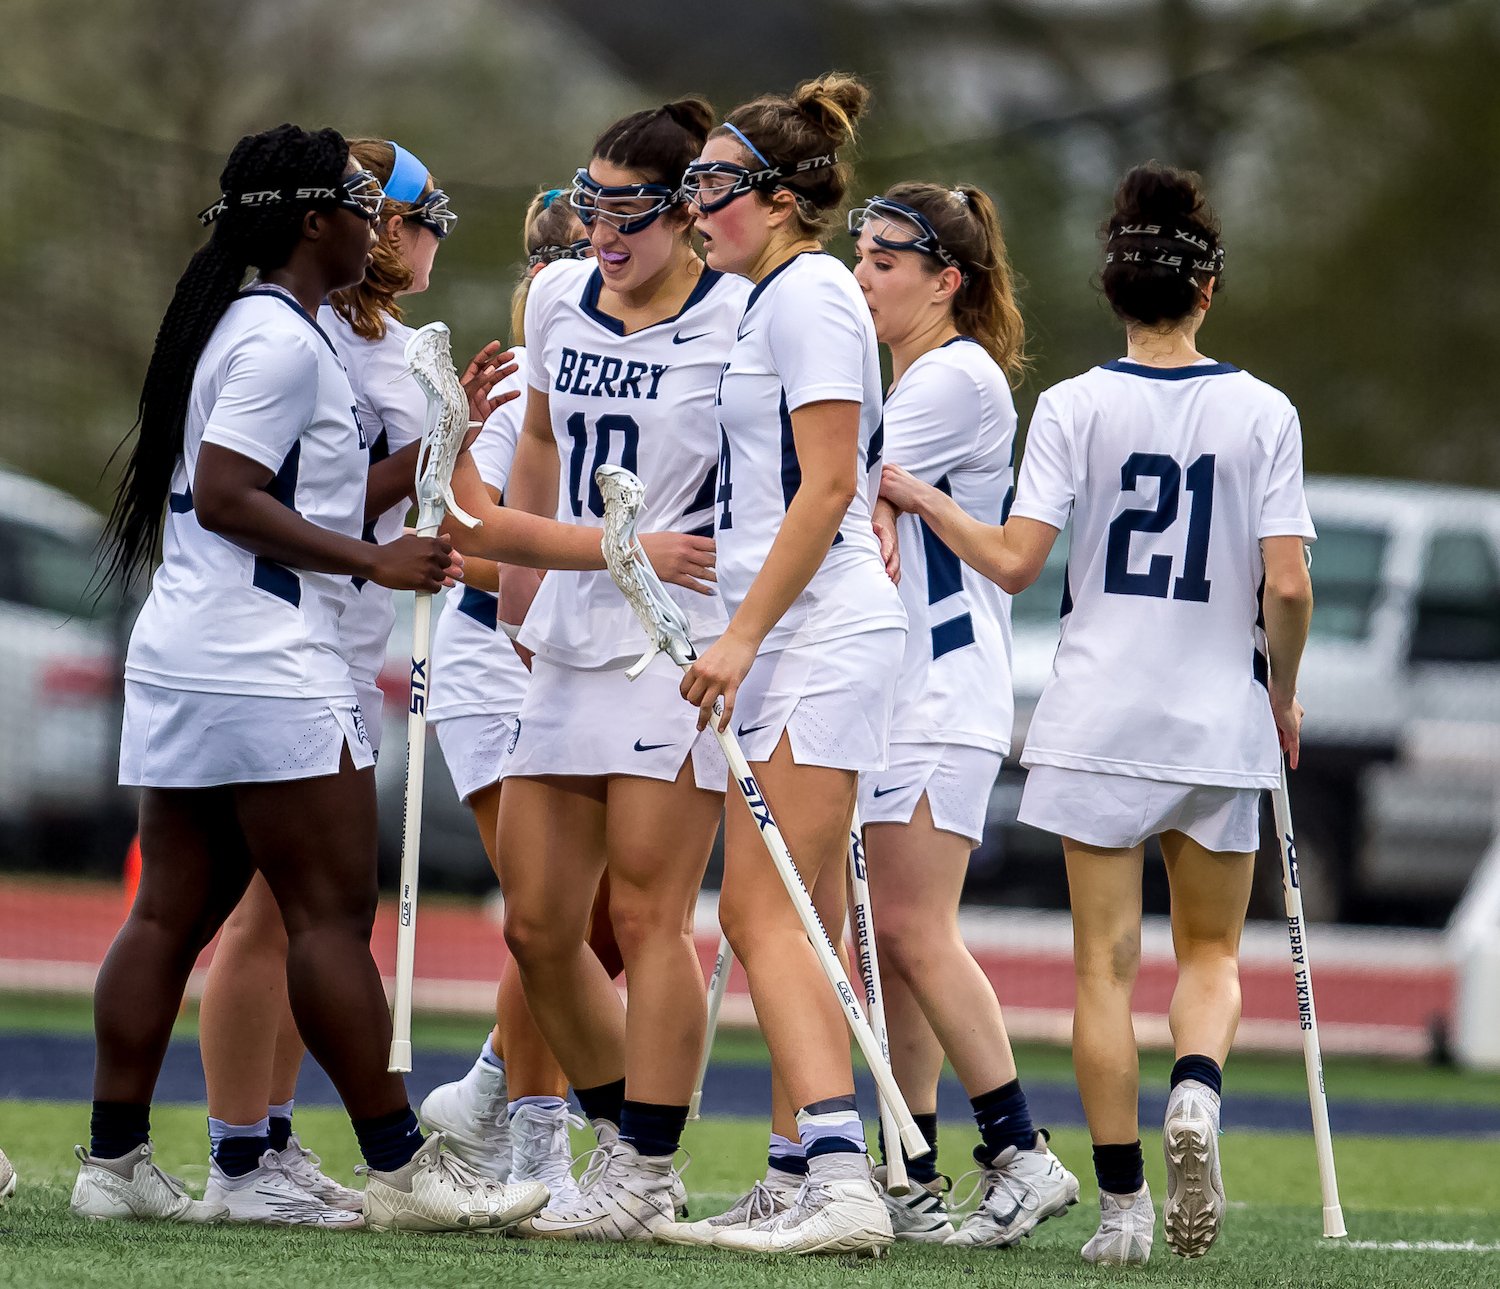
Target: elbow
[(1289, 594), (215, 513), (1014, 576)]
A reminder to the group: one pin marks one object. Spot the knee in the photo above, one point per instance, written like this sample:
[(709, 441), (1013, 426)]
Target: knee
[(903, 942), (534, 940), (1113, 962), (638, 919)]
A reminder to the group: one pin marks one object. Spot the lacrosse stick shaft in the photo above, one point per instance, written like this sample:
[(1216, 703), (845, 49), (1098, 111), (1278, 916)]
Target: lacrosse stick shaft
[(862, 917), (717, 984), (1307, 1017)]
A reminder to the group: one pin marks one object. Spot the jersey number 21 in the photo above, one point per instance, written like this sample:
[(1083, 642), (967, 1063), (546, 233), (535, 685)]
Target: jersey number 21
[(1157, 579)]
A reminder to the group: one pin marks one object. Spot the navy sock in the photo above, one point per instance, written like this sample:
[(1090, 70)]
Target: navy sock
[(652, 1129), (786, 1156), (237, 1156), (1004, 1120), (1120, 1169), (1202, 1068), (925, 1168), (607, 1101), (830, 1127), (118, 1127), (388, 1141), (281, 1132)]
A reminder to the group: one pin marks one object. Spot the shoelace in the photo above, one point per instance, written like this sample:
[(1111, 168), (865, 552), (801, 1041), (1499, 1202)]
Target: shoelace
[(304, 1167), (757, 1205), (809, 1195), (547, 1139), (595, 1164)]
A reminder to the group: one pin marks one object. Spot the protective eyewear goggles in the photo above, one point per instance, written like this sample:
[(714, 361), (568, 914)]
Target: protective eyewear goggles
[(897, 227), (579, 250), (434, 213), (712, 185), (628, 208), (360, 192)]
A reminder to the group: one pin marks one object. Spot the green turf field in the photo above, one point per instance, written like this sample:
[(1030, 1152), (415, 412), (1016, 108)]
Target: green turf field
[(1394, 1190)]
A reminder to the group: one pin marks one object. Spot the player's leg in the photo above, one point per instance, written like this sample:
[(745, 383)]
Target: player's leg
[(1210, 896)]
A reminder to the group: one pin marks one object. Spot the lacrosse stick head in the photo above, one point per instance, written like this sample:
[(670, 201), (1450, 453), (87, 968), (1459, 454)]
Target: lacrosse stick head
[(662, 617), (429, 357)]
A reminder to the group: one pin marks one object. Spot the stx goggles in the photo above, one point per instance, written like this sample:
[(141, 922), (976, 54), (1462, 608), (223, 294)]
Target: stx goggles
[(434, 213), (628, 208), (579, 250), (360, 192), (897, 227), (712, 185)]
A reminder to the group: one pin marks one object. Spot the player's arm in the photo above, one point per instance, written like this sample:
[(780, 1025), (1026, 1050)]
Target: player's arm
[(1010, 555), (1288, 604)]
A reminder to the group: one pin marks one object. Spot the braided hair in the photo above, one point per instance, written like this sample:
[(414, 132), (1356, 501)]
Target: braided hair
[(259, 236)]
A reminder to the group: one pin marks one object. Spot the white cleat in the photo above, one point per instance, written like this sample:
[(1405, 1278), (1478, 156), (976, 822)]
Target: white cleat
[(921, 1215), (764, 1201), (843, 1215), (542, 1150), (471, 1115), (269, 1195), (7, 1178), (1022, 1189), (134, 1187), (1194, 1212), (437, 1191), (629, 1199), (306, 1169), (1127, 1224)]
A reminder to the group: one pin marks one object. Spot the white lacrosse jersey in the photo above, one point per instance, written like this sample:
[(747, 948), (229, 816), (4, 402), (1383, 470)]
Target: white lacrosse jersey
[(220, 619), (475, 671), (1171, 476), (806, 337), (951, 422), (393, 410), (642, 401)]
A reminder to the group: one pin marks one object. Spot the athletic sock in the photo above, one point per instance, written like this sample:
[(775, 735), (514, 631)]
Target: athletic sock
[(607, 1102), (651, 1128), (281, 1125), (488, 1056), (830, 1127), (1203, 1069), (1120, 1169), (923, 1169), (388, 1141), (786, 1157), (1004, 1120), (237, 1147), (118, 1127), (541, 1102)]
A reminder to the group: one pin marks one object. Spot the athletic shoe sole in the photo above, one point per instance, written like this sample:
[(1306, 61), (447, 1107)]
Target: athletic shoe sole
[(1194, 1211)]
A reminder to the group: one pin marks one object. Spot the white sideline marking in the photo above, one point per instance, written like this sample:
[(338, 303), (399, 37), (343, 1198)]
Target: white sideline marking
[(1425, 1246)]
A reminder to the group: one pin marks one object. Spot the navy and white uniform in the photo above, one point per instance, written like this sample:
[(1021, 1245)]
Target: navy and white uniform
[(392, 410), (1156, 716), (951, 422), (643, 401), (827, 671), (235, 671), (478, 680)]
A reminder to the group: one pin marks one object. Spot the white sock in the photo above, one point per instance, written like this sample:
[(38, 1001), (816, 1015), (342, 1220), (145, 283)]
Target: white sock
[(488, 1056), (542, 1103)]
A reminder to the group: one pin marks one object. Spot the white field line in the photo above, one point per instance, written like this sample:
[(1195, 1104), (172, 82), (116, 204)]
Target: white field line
[(1424, 1246)]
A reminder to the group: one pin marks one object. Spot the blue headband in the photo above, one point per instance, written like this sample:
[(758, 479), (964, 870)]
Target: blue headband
[(408, 176), (739, 134)]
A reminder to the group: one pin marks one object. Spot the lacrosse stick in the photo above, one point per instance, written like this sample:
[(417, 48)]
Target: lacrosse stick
[(667, 627), (1307, 1017), (430, 360), (862, 919), (717, 984)]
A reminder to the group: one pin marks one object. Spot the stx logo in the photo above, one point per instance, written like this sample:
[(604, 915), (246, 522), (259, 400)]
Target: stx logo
[(1291, 861), (857, 854), (418, 687), (757, 803)]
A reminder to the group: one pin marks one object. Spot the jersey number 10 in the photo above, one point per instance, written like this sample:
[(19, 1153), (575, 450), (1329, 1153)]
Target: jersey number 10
[(1193, 584), (605, 428)]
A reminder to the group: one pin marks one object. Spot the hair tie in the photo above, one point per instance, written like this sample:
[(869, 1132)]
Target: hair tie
[(551, 195), (961, 195), (740, 135)]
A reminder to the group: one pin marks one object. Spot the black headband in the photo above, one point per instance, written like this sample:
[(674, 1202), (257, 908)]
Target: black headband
[(1200, 254)]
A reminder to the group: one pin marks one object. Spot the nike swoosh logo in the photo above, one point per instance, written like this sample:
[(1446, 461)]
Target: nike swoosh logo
[(680, 339), (649, 747), (740, 335), (751, 729), (885, 792)]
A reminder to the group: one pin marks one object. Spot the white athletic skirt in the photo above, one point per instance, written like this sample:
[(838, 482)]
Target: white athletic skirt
[(180, 738), (474, 748), (834, 701), (1117, 810), (956, 780), (595, 722)]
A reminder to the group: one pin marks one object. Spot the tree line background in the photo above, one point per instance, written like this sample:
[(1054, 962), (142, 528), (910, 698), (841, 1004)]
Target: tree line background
[(1350, 147)]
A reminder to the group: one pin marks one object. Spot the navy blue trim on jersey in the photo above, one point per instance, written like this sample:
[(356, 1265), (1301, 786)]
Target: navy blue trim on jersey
[(295, 307), (1169, 373), (707, 490), (791, 467), (380, 449), (877, 446), (179, 503), (269, 575), (1067, 595), (770, 277), (589, 303), (958, 340), (953, 634), (1261, 670), (482, 606), (703, 530)]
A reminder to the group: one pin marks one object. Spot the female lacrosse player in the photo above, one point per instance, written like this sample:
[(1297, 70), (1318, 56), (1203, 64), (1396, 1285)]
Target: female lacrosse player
[(241, 722), (934, 271), (606, 776), (507, 1116), (1187, 609), (808, 664), (251, 1075)]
